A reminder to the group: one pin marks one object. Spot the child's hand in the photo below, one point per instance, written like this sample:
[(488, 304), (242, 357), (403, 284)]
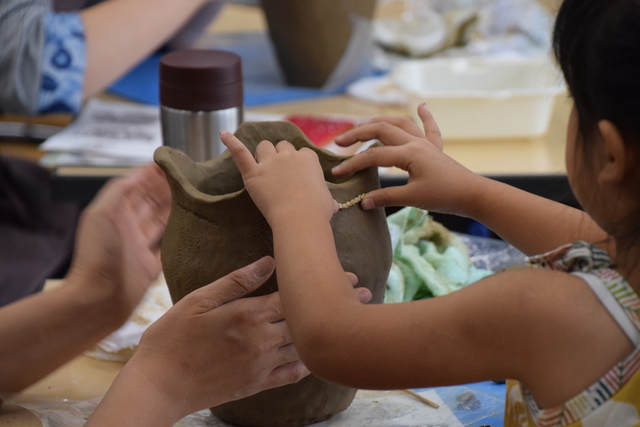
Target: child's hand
[(282, 180), (436, 181)]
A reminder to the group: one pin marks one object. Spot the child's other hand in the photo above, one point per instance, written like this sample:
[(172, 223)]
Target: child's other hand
[(282, 180), (436, 181)]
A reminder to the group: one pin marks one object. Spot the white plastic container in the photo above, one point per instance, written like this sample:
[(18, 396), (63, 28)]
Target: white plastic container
[(483, 97)]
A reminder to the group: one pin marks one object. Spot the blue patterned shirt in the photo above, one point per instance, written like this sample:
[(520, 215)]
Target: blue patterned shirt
[(63, 64)]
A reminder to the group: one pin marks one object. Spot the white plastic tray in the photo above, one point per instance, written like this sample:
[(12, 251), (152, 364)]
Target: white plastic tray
[(483, 97)]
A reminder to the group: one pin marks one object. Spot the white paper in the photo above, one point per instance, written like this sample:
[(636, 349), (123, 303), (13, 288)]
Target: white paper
[(111, 132), (124, 134)]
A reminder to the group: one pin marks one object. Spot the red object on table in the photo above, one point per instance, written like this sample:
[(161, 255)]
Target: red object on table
[(321, 130)]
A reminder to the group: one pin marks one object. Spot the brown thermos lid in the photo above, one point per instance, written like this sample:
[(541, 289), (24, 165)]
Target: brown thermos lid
[(201, 80)]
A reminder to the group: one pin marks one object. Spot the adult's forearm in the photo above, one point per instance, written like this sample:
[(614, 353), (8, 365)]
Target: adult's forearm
[(133, 399), (120, 33), (42, 332)]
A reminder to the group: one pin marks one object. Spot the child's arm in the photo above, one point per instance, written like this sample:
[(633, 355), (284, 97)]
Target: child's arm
[(519, 324), (438, 183)]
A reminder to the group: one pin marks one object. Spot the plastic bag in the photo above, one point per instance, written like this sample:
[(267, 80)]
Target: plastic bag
[(429, 260), (492, 254)]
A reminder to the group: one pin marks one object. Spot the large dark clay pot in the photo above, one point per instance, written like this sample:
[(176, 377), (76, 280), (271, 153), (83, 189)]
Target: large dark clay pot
[(311, 37), (214, 228)]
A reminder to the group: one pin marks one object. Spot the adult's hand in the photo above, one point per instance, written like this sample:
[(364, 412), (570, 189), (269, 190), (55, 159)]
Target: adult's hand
[(214, 346), (210, 348), (117, 252), (116, 259)]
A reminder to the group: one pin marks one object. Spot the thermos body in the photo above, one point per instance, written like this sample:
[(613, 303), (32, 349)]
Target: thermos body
[(197, 133)]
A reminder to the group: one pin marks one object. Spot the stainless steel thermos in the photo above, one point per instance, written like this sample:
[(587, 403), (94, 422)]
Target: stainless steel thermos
[(200, 93)]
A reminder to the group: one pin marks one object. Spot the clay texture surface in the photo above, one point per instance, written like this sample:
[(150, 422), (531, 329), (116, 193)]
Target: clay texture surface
[(214, 228)]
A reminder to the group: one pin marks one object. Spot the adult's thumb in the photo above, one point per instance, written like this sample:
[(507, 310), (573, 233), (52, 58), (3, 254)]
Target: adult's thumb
[(237, 284)]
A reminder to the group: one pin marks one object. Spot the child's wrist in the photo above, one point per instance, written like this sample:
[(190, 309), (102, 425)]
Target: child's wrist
[(297, 217), (474, 197), (287, 214)]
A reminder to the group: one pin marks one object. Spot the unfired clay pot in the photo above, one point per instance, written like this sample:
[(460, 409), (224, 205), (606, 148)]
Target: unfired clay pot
[(214, 228), (310, 37)]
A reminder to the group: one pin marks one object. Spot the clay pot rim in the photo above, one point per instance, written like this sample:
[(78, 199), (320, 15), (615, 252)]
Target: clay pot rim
[(296, 132), (162, 154), (293, 132)]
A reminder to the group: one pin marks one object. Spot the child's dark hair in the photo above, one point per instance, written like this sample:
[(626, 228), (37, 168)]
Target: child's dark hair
[(597, 44)]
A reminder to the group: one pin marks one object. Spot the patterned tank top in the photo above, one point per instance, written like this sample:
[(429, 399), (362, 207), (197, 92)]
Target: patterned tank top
[(613, 401)]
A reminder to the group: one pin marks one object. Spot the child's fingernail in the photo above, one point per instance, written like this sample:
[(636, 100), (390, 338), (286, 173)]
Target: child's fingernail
[(223, 132), (368, 204)]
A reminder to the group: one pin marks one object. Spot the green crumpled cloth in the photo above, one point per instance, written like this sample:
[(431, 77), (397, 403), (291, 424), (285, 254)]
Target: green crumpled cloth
[(428, 260)]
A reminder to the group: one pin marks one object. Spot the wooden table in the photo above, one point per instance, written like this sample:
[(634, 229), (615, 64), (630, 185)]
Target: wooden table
[(83, 378)]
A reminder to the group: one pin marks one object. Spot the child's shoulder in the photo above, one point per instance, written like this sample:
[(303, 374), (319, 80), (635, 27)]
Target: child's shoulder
[(559, 328)]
